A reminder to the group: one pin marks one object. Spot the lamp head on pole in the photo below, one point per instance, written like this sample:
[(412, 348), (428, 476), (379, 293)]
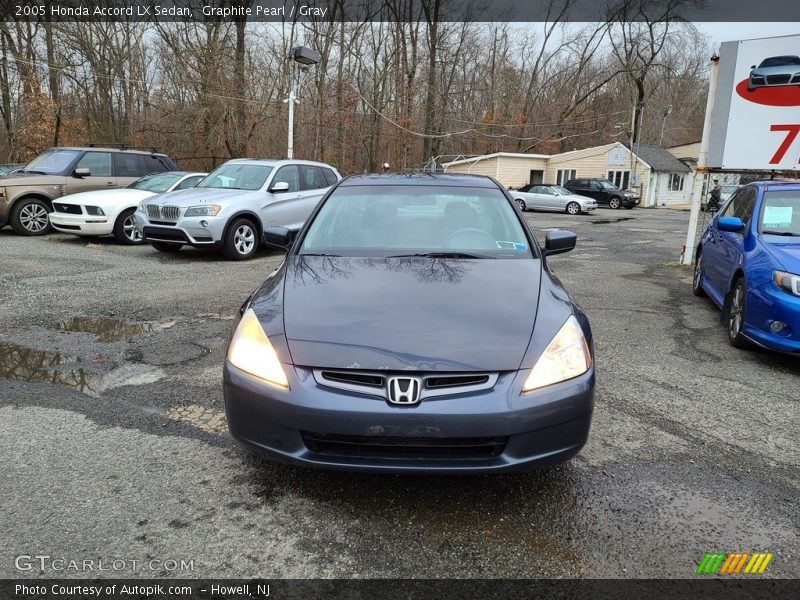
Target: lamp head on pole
[(304, 55)]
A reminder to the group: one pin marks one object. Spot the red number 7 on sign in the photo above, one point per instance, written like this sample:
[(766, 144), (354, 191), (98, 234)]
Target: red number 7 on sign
[(791, 135)]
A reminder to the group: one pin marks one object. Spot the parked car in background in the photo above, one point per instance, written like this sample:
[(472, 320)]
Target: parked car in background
[(234, 204), (380, 344), (110, 212), (775, 71), (748, 263), (7, 169), (26, 197), (603, 191), (552, 198)]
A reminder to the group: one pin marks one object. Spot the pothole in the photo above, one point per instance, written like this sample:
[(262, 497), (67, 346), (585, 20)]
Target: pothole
[(109, 329), (606, 221), (21, 363), (204, 419)]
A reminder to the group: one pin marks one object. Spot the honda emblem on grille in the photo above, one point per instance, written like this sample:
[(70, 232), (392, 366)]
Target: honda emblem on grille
[(404, 390)]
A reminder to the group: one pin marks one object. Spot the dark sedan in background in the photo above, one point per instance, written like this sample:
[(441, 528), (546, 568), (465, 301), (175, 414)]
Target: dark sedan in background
[(414, 326)]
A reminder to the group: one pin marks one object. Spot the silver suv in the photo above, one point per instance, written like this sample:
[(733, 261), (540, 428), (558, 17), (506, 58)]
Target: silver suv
[(234, 204)]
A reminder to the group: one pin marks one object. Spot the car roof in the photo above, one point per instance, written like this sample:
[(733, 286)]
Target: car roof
[(267, 162), (443, 179), (780, 184)]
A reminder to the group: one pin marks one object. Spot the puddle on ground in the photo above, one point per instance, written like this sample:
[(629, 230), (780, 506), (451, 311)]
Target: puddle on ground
[(109, 329), (605, 221), (26, 364)]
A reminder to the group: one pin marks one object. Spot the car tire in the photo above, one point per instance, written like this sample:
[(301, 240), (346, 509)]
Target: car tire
[(125, 229), (573, 208), (521, 204), (166, 247), (697, 289), (240, 241), (735, 314), (614, 202), (30, 216)]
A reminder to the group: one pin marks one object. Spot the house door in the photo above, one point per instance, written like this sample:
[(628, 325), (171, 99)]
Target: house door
[(536, 177)]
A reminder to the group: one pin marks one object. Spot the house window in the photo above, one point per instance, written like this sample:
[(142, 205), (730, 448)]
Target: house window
[(676, 182), (564, 175), (621, 179)]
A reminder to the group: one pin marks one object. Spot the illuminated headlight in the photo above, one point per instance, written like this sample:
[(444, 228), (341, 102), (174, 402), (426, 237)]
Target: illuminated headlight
[(251, 351), (209, 210), (94, 210), (787, 282), (566, 357)]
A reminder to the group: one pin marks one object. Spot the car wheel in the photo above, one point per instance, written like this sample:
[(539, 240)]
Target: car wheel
[(240, 241), (736, 311), (31, 217), (573, 208), (125, 231), (166, 247), (614, 202), (697, 289), (521, 204)]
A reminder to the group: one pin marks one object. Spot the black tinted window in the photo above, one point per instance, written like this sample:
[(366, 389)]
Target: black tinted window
[(311, 178), (742, 205), (153, 164), (126, 165), (330, 176)]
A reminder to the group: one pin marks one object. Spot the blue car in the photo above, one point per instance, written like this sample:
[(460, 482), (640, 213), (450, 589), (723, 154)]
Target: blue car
[(748, 263)]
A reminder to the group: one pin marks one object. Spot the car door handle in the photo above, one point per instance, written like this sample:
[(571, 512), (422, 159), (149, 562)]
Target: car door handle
[(111, 184)]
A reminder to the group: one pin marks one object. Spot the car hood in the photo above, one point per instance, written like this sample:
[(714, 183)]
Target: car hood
[(779, 70), (410, 313), (787, 253), (195, 196), (100, 196), (32, 179)]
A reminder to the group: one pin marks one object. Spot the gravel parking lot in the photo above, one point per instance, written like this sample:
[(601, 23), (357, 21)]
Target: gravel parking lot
[(113, 441)]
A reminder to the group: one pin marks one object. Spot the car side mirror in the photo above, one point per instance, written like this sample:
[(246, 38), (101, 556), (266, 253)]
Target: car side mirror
[(559, 241), (752, 66), (279, 186), (733, 224), (279, 237), (82, 172)]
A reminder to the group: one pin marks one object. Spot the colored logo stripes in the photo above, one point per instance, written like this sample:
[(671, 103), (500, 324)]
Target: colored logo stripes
[(732, 564)]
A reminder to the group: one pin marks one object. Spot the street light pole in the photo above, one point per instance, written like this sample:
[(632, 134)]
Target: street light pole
[(303, 56), (667, 112)]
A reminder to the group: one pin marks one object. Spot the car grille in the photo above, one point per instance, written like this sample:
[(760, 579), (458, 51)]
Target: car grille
[(72, 209), (374, 383), (168, 213), (404, 448), (778, 79)]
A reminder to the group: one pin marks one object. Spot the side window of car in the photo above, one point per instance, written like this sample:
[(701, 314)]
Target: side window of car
[(311, 178), (330, 176), (151, 164), (189, 182), (289, 175), (126, 165), (98, 163), (741, 204), (594, 185)]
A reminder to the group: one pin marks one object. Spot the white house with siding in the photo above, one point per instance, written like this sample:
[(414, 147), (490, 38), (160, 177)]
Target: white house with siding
[(657, 176)]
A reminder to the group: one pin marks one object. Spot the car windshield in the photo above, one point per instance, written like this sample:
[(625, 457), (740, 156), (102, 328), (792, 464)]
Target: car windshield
[(159, 183), (411, 220), (780, 213), (237, 176), (780, 61), (561, 191), (51, 161)]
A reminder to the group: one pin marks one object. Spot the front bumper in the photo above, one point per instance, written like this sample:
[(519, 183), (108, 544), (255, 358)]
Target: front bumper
[(626, 202), (317, 426), (82, 224), (766, 305), (203, 232)]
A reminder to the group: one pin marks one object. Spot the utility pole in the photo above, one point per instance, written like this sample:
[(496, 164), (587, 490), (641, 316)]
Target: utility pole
[(292, 100)]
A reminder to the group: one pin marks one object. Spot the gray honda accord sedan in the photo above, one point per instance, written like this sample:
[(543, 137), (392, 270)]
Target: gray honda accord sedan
[(414, 326)]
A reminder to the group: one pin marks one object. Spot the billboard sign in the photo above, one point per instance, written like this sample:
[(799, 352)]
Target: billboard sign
[(756, 118)]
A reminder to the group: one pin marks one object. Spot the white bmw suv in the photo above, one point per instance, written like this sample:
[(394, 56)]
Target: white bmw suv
[(234, 204)]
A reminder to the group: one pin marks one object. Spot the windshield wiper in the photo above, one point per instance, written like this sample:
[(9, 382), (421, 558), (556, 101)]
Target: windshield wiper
[(772, 232), (442, 254), (317, 254)]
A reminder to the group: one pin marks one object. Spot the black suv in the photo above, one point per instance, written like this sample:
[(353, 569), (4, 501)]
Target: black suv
[(603, 191), (26, 195)]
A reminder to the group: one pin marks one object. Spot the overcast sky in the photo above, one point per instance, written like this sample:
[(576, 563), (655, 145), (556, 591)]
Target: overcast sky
[(727, 32)]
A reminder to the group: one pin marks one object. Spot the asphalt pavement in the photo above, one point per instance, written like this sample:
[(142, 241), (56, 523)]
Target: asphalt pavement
[(113, 443)]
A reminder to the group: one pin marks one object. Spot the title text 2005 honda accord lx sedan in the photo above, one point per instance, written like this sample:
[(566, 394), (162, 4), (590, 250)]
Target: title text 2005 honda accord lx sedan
[(414, 326)]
